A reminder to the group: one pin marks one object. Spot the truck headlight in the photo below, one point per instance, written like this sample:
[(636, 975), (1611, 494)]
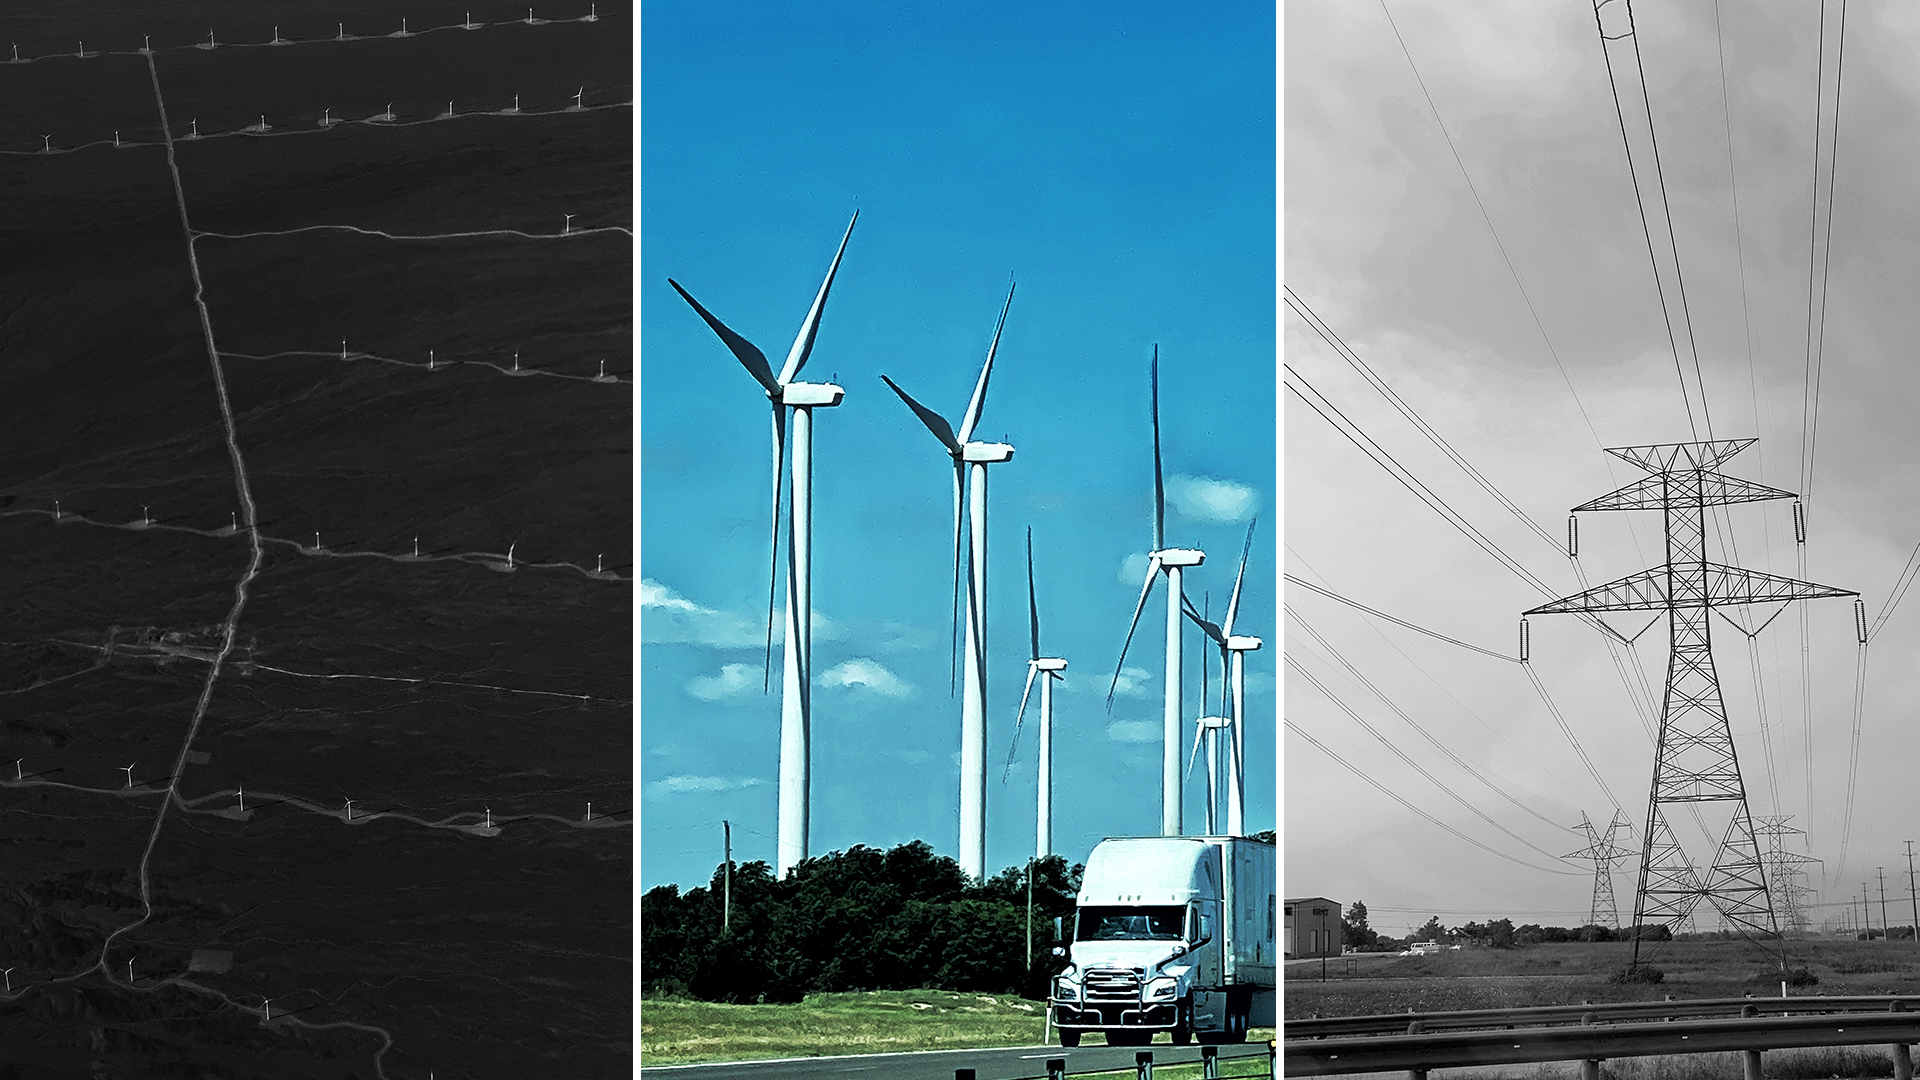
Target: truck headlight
[(1163, 988), (1066, 990)]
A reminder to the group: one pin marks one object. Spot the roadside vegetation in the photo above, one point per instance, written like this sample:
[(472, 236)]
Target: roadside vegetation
[(869, 1022)]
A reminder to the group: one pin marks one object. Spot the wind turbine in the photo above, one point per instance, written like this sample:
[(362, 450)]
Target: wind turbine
[(1172, 562), (1233, 654), (970, 461), (1051, 666), (797, 679)]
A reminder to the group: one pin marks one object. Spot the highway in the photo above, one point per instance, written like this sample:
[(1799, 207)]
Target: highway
[(1005, 1063)]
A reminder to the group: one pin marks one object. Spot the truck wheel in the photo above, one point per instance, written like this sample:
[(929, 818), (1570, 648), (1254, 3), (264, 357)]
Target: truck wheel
[(1238, 1006), (1069, 1039), (1182, 1032)]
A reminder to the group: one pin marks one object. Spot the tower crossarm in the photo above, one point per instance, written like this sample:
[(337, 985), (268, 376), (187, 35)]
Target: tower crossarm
[(1666, 457), (1649, 590), (1657, 492)]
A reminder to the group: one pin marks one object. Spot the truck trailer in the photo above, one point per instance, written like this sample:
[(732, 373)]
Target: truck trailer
[(1174, 934)]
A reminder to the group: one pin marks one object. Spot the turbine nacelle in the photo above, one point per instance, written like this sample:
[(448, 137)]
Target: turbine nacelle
[(1178, 557), (1242, 643), (985, 453), (1048, 663), (810, 395)]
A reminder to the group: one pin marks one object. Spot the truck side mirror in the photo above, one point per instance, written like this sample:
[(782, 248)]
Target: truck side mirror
[(1058, 951)]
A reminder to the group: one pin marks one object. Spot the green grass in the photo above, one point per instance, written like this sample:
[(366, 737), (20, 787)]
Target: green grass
[(879, 1021), (1568, 974)]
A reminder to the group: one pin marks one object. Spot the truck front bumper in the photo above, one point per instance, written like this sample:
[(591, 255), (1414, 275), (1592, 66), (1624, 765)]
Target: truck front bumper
[(1113, 1014)]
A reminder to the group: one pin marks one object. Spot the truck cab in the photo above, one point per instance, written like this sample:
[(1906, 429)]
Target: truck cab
[(1171, 934)]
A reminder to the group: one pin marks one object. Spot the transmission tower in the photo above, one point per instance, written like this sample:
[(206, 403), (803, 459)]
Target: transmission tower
[(1784, 873), (1694, 762), (1604, 853)]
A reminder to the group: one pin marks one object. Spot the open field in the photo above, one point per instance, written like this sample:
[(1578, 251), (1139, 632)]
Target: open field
[(438, 692), (877, 1021), (1568, 974)]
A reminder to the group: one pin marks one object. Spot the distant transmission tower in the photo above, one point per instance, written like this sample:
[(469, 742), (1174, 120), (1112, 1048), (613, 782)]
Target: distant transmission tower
[(1604, 853), (1695, 761), (1784, 873)]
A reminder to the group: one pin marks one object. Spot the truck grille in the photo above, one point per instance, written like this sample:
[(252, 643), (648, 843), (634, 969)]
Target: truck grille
[(1113, 983)]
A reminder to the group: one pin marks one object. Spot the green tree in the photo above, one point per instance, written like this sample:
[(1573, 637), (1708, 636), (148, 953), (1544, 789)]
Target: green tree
[(1430, 931), (1354, 931)]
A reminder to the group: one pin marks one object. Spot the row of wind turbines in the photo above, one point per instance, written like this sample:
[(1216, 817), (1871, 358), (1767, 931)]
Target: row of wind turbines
[(792, 399)]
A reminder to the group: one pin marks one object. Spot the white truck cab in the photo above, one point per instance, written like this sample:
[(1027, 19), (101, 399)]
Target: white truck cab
[(1172, 934)]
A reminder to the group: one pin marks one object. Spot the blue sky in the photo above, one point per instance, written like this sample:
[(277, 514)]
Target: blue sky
[(1118, 160)]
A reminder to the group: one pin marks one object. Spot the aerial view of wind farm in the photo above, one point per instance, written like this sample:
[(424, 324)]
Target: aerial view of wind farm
[(958, 348), (315, 522)]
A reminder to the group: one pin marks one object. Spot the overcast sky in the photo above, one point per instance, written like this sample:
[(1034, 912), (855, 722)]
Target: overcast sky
[(1119, 161), (1386, 242)]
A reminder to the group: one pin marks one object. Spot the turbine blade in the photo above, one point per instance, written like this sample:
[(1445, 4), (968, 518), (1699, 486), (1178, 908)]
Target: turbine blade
[(1198, 731), (1226, 687), (1233, 604), (1187, 605), (980, 388), (1033, 605), (773, 543), (1212, 631), (1153, 568), (1018, 717), (803, 342), (934, 421), (748, 354), (953, 650), (1159, 486)]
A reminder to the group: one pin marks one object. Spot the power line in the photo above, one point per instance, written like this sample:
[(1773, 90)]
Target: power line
[(1408, 759), (1395, 796), (1358, 606), (1414, 724)]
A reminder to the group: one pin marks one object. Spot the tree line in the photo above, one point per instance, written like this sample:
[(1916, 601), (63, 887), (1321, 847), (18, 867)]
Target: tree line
[(1497, 933), (860, 919)]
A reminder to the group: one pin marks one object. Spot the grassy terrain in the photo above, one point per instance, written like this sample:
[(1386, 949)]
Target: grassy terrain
[(878, 1021), (1568, 974)]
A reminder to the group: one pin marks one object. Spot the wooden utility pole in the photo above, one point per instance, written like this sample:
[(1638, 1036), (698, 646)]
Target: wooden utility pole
[(1911, 893), (726, 887), (1029, 913), (1884, 924), (1866, 912)]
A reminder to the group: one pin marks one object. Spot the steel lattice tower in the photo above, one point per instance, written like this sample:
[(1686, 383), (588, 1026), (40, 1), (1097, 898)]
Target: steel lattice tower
[(1604, 853), (1784, 873), (1695, 762)]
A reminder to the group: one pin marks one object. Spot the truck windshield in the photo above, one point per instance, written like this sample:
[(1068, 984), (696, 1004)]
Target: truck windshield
[(1130, 923)]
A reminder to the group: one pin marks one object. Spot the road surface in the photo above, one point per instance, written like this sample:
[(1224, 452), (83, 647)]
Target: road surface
[(1008, 1063)]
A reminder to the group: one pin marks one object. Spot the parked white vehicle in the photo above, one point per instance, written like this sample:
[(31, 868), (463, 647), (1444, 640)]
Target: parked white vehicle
[(1175, 934)]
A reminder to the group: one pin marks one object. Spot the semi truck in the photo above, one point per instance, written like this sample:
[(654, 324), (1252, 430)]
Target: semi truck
[(1174, 934)]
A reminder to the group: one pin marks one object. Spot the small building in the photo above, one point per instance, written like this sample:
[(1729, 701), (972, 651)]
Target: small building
[(1312, 927)]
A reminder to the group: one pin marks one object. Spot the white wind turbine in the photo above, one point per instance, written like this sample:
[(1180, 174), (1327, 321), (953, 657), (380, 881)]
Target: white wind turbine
[(1172, 562), (1051, 667), (796, 712), (1233, 650), (970, 461)]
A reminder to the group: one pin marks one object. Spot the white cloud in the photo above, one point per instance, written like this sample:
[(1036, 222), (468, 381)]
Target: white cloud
[(864, 672), (1132, 682), (1134, 731), (1203, 498), (1133, 569), (677, 784), (667, 618), (733, 679)]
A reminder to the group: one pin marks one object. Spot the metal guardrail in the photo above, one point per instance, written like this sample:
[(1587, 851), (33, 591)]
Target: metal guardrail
[(1611, 1012), (1142, 1068), (1591, 1041)]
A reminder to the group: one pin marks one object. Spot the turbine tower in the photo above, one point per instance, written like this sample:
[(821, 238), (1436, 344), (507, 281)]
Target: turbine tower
[(1172, 562), (970, 461), (1695, 763), (1051, 667), (1233, 656), (796, 687)]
